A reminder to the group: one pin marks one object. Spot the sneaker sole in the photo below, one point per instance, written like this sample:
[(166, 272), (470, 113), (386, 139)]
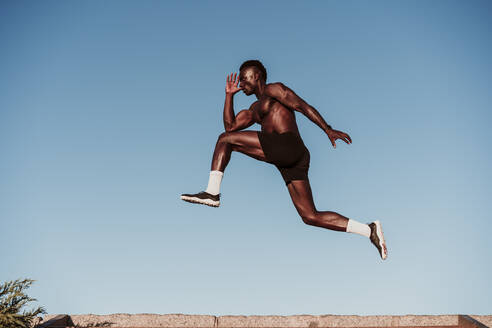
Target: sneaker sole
[(196, 200), (382, 242)]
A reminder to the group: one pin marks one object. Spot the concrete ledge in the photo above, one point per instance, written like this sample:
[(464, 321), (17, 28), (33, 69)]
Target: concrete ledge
[(140, 320), (145, 320), (311, 321), (123, 320)]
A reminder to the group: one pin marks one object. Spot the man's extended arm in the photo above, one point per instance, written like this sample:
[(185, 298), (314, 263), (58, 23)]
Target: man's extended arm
[(244, 118), (289, 99)]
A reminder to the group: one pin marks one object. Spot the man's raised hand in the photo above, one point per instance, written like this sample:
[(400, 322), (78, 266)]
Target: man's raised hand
[(232, 84), (334, 135)]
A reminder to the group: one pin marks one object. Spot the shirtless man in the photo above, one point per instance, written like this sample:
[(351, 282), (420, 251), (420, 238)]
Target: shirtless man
[(278, 143)]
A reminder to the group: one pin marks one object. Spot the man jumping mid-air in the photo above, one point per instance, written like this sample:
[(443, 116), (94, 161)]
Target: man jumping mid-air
[(278, 143)]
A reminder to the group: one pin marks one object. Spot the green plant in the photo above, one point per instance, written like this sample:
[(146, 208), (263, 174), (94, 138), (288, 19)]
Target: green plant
[(12, 299)]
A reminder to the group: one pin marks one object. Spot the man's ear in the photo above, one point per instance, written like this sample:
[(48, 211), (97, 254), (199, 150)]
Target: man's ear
[(256, 74)]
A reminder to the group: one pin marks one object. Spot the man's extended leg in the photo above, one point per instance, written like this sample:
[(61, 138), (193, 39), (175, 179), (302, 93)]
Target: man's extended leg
[(246, 142), (300, 192)]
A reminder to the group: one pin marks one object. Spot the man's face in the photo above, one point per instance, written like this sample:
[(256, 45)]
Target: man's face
[(248, 80)]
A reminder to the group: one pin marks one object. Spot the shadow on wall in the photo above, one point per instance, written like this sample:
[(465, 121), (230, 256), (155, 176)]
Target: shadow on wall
[(467, 321), (64, 320)]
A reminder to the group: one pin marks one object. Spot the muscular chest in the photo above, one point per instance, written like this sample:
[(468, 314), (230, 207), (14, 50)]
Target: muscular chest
[(264, 106)]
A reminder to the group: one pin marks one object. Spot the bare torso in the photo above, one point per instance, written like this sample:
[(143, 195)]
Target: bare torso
[(273, 116)]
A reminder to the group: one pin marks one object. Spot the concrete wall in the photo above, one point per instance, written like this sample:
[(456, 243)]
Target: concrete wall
[(238, 321)]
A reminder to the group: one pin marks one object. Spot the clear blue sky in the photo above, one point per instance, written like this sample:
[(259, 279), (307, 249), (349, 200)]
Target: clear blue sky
[(109, 110)]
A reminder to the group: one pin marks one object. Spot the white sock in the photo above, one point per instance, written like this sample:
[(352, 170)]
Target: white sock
[(359, 228), (214, 182)]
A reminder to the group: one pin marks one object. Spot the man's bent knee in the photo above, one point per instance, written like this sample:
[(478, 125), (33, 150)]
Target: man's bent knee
[(223, 137), (232, 138)]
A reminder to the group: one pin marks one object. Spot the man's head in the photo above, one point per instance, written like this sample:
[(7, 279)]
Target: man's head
[(251, 74)]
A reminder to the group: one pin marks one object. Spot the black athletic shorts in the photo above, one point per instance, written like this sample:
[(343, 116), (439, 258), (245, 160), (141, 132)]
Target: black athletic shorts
[(287, 152)]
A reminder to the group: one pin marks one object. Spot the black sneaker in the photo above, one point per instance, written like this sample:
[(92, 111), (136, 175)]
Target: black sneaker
[(202, 198), (377, 238)]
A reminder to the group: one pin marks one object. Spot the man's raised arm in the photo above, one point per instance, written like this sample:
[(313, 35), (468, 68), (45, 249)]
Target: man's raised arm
[(289, 99), (245, 117)]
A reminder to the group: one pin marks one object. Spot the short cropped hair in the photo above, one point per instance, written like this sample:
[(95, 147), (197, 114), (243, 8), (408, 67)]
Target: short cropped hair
[(258, 65)]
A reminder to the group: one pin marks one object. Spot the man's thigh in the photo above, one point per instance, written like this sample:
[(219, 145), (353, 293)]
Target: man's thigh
[(246, 142)]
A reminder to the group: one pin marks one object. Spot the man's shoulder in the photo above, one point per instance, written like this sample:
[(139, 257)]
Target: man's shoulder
[(273, 89), (274, 85)]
